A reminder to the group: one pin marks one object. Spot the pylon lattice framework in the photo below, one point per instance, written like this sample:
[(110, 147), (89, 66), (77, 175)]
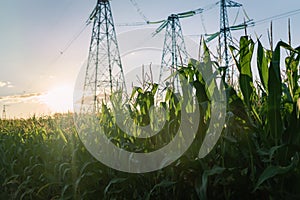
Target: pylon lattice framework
[(104, 72), (174, 53), (4, 112), (225, 37)]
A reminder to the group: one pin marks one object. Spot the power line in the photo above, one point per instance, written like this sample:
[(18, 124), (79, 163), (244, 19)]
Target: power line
[(266, 20), (206, 8), (138, 9), (133, 24), (148, 22), (71, 41), (75, 37), (203, 24), (279, 16)]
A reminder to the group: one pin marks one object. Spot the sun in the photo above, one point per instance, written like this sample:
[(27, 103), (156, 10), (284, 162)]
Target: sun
[(59, 99)]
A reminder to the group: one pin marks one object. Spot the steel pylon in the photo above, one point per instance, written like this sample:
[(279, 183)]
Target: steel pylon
[(225, 37), (4, 112), (174, 54), (104, 73)]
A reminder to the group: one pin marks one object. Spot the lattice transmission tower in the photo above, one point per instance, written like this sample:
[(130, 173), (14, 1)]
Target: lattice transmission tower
[(225, 37), (4, 112), (174, 50), (104, 73)]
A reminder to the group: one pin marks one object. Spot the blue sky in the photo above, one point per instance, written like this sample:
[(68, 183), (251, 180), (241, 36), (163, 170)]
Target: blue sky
[(34, 32)]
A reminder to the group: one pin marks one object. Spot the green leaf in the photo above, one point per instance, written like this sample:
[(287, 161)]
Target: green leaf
[(274, 98), (162, 184), (272, 171), (135, 90), (235, 57), (201, 190), (154, 88), (62, 135), (298, 108), (235, 104), (245, 79), (45, 186), (113, 182), (271, 152), (292, 64), (262, 65)]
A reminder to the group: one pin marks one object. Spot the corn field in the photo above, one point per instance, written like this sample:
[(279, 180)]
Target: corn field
[(257, 156)]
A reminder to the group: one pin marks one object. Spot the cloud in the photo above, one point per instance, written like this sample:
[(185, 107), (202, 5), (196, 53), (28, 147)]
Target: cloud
[(5, 84), (12, 99), (2, 84)]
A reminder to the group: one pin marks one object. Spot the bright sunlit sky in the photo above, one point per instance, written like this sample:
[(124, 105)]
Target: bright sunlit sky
[(39, 63)]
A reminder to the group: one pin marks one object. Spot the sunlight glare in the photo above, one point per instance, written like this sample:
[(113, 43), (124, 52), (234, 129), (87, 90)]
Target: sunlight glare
[(59, 99)]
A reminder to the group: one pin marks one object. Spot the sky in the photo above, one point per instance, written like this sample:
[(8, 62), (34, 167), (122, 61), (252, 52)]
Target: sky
[(44, 44)]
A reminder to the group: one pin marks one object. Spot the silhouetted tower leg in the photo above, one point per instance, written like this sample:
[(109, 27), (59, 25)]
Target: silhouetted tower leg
[(225, 38), (104, 73), (174, 54), (4, 112)]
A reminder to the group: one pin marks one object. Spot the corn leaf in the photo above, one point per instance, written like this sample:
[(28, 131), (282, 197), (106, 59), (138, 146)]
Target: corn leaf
[(262, 65), (272, 171), (275, 92), (245, 79)]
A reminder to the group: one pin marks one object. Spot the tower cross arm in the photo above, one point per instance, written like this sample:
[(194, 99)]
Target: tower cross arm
[(232, 4)]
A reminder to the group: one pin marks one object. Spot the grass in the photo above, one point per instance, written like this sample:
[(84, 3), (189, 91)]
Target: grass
[(257, 156)]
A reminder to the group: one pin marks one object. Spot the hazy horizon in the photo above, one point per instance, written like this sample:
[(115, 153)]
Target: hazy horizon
[(41, 56)]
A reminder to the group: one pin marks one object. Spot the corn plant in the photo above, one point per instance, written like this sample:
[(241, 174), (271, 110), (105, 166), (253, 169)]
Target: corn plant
[(257, 156)]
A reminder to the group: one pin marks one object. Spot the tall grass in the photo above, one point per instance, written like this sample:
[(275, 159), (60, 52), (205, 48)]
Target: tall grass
[(257, 156)]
